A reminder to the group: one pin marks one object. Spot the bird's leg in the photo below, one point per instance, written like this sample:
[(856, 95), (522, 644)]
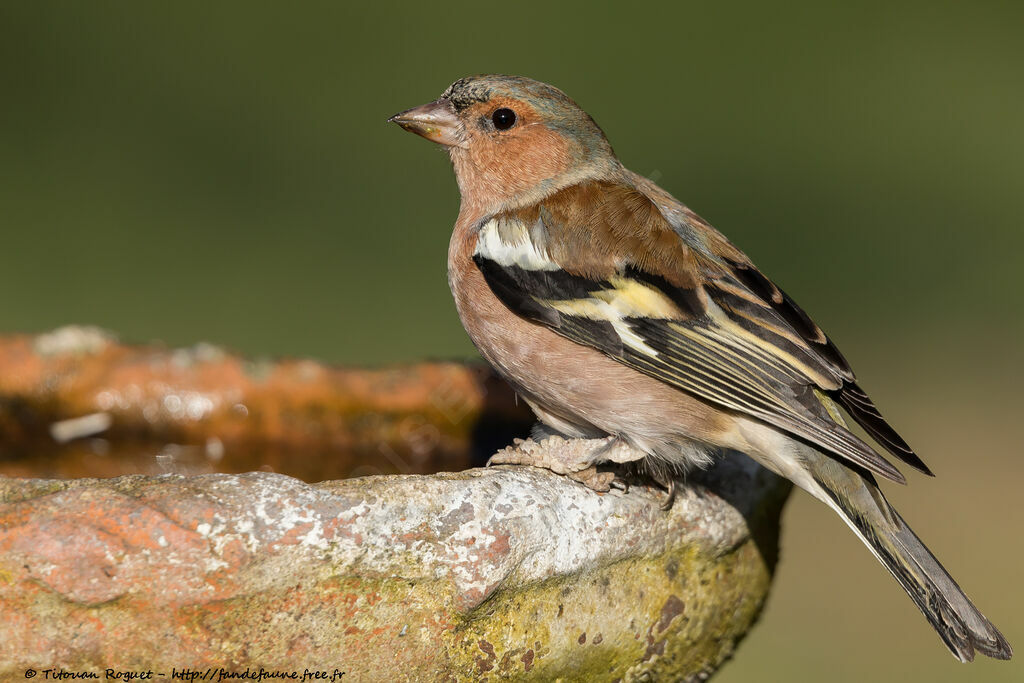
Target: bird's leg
[(617, 449), (606, 446)]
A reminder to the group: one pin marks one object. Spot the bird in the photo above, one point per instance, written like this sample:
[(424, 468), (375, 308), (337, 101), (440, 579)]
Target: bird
[(616, 312)]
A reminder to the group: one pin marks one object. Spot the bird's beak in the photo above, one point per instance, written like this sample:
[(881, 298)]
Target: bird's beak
[(435, 121)]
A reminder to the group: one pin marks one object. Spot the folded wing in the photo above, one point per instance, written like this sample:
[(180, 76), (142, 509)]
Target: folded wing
[(602, 266)]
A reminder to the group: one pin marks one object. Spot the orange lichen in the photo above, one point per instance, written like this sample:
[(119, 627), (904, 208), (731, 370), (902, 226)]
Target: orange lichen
[(202, 410)]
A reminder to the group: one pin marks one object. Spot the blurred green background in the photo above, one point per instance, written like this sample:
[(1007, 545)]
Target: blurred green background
[(223, 172)]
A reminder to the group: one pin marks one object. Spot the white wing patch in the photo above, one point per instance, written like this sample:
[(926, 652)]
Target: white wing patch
[(507, 242), (511, 243)]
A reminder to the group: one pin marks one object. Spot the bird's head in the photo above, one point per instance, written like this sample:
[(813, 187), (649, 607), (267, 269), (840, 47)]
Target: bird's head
[(512, 140)]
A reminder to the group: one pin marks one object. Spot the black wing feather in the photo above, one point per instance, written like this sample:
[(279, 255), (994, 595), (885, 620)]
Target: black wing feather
[(861, 408), (849, 395)]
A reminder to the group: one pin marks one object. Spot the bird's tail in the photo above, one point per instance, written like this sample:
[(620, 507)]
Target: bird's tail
[(954, 617)]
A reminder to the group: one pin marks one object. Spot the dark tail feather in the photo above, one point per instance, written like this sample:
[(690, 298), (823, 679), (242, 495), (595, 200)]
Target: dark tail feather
[(951, 613)]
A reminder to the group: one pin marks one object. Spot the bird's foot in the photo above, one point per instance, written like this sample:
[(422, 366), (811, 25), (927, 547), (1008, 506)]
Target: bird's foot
[(577, 459)]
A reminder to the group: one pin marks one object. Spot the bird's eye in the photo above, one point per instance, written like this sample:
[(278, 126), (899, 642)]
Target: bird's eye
[(503, 118)]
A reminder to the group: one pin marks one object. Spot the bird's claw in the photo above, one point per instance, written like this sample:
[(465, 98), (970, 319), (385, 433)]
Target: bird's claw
[(671, 498)]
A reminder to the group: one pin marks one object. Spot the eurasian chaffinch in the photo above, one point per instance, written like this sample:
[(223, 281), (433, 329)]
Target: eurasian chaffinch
[(614, 310)]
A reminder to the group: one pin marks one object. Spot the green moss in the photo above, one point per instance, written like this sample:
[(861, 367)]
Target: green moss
[(673, 615)]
